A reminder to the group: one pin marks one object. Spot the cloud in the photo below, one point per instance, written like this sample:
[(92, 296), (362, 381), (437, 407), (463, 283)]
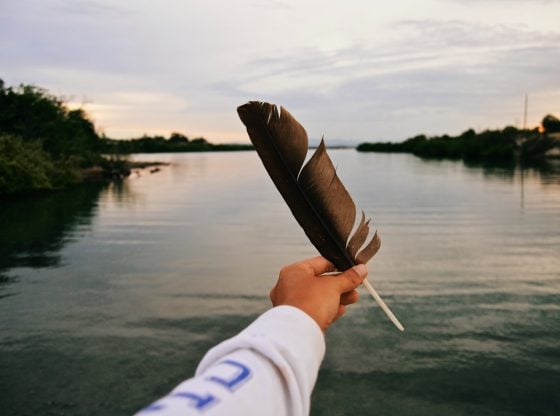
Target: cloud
[(434, 78), (90, 8), (273, 5), (348, 72), (504, 1)]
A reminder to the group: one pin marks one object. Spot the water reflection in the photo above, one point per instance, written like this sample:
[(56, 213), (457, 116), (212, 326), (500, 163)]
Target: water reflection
[(547, 171), (35, 229)]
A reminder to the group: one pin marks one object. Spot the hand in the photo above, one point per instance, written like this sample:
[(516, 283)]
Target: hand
[(324, 298)]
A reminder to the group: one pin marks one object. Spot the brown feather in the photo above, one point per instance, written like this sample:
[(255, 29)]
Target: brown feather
[(315, 194)]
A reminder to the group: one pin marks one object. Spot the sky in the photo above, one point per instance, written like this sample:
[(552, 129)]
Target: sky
[(350, 71)]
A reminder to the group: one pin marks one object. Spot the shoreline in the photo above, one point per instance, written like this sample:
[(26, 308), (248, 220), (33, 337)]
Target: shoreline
[(116, 170)]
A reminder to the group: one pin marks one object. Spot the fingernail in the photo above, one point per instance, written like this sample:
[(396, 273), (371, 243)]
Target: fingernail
[(361, 269)]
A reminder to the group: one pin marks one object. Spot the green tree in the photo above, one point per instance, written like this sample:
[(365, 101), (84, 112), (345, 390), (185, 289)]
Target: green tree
[(178, 138), (551, 124), (33, 114)]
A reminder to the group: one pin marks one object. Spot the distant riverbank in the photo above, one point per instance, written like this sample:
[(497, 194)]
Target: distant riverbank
[(46, 146), (177, 142), (507, 145)]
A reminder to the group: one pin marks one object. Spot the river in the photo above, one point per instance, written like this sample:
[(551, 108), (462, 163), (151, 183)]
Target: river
[(110, 295)]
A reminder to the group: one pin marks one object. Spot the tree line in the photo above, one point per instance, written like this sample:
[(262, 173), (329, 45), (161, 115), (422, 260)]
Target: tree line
[(177, 142), (506, 145), (44, 145)]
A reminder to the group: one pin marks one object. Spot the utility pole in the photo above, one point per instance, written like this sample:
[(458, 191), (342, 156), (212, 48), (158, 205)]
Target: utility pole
[(525, 112)]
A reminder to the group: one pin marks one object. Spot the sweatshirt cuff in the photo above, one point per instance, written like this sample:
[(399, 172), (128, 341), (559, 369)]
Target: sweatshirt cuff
[(285, 335)]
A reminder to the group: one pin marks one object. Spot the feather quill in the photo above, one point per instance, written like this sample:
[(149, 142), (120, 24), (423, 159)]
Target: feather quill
[(314, 193)]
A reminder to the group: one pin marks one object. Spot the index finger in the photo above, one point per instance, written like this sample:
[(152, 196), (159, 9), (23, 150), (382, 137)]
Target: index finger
[(319, 265)]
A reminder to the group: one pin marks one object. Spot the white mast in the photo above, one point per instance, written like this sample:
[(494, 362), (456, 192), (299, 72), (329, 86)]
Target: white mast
[(525, 112)]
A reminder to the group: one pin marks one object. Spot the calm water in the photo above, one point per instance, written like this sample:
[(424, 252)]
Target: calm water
[(109, 296)]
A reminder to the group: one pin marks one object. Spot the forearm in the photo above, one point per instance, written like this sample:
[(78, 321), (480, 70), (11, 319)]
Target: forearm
[(269, 368)]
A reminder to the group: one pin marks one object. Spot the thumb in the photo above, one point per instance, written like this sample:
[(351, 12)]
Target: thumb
[(351, 278)]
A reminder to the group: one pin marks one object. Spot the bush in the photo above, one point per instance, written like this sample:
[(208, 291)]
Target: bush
[(26, 167)]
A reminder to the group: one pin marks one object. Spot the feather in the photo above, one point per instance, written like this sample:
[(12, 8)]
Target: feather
[(314, 193)]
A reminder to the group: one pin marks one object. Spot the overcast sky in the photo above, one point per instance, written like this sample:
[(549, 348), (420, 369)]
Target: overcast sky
[(348, 70)]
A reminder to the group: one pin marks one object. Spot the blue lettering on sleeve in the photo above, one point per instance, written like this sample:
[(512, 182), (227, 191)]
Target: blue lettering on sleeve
[(236, 380), (202, 402), (154, 407), (199, 402)]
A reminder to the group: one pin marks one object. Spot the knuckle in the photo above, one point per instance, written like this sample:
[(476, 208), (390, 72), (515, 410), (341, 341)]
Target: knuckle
[(284, 271), (308, 269)]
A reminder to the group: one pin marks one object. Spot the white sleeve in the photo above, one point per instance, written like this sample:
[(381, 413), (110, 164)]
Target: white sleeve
[(270, 368)]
